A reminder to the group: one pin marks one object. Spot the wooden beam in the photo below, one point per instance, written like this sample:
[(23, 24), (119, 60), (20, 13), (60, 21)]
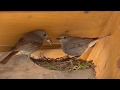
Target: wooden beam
[(107, 51), (13, 24)]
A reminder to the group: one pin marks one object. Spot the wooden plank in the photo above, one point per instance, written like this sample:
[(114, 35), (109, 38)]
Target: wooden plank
[(13, 24), (107, 51)]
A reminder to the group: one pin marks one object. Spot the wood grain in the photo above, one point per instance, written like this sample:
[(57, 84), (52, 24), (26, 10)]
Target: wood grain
[(13, 24), (107, 51)]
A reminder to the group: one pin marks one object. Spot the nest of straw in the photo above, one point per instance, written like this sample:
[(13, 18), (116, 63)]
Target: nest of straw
[(65, 63)]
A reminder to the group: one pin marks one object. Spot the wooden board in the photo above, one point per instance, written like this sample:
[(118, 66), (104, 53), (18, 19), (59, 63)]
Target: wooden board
[(105, 54), (13, 24)]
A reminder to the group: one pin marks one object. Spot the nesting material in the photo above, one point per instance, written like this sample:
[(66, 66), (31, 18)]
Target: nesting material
[(65, 63), (21, 67)]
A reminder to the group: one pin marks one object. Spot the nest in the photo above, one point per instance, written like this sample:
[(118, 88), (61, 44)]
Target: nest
[(65, 63)]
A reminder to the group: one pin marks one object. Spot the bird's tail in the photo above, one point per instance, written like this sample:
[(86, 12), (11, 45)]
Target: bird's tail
[(6, 59), (95, 40), (101, 37)]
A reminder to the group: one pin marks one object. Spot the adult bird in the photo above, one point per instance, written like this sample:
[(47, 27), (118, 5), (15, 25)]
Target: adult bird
[(27, 44), (75, 46)]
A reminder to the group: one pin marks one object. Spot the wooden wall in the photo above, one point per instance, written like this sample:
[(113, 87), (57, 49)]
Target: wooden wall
[(106, 52), (76, 23)]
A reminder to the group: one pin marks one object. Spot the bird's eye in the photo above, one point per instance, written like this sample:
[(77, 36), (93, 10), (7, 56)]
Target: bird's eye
[(65, 37), (44, 34)]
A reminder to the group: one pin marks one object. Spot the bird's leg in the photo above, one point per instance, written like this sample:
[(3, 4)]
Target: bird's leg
[(28, 56)]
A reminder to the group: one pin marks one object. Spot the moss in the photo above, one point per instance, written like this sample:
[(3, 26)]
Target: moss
[(63, 63)]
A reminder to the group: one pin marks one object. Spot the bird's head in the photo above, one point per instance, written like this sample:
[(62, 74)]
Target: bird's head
[(63, 38), (43, 35)]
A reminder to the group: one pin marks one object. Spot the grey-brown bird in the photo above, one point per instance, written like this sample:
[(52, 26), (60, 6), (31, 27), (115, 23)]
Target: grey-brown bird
[(27, 44), (75, 46)]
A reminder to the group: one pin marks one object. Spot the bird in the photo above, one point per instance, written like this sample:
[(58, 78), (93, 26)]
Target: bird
[(75, 46), (27, 44)]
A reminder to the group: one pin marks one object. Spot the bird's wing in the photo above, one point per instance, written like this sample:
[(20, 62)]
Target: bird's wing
[(22, 41), (78, 43)]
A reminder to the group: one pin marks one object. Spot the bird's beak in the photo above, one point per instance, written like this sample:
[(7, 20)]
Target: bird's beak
[(48, 40), (58, 38)]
